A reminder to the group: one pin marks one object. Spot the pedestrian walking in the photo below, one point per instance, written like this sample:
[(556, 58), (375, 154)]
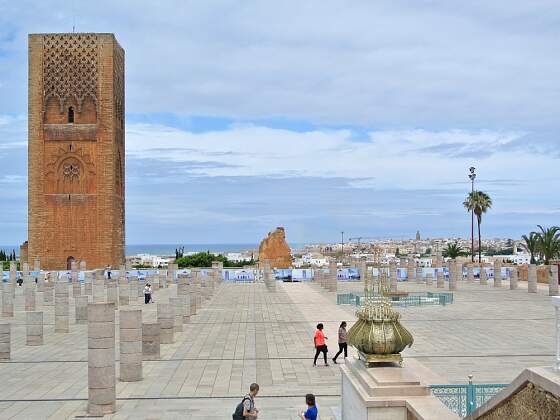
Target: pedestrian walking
[(148, 293), (246, 409), (311, 412), (320, 346), (342, 341)]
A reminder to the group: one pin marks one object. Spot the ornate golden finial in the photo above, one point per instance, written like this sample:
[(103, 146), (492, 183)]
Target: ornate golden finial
[(378, 335)]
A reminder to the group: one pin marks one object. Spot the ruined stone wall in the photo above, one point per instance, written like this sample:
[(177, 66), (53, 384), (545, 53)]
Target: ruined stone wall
[(276, 250)]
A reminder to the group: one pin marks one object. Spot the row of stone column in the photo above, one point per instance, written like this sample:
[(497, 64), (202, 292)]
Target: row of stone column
[(328, 280), (456, 274), (138, 341)]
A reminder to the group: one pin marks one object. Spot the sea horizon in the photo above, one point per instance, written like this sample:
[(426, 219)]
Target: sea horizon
[(169, 249)]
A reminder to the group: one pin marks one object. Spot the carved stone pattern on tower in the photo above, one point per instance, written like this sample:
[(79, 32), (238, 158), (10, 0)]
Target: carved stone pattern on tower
[(70, 68), (118, 75)]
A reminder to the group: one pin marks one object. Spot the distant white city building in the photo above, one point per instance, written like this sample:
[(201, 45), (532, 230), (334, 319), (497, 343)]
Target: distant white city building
[(238, 256), (152, 260), (313, 259), (517, 259), (424, 262)]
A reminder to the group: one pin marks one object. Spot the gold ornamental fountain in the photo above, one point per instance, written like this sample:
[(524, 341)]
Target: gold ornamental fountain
[(378, 335)]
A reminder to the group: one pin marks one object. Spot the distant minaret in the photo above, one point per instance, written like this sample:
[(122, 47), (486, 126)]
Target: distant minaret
[(417, 235)]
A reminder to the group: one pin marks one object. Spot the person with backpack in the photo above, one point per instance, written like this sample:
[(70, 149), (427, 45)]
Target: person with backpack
[(311, 412), (320, 345), (246, 409), (342, 342)]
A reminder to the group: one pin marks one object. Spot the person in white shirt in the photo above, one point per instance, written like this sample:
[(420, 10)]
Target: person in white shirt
[(148, 293)]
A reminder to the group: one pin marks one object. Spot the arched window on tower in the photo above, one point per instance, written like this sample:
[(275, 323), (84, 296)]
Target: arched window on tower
[(70, 115)]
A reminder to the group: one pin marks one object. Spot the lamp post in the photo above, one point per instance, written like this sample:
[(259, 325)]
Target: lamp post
[(472, 176), (342, 247)]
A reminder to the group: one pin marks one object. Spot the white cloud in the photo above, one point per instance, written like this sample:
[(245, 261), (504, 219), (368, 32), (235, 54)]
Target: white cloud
[(390, 160), (397, 64)]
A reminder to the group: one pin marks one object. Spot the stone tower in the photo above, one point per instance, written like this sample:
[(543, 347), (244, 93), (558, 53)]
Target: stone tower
[(76, 149)]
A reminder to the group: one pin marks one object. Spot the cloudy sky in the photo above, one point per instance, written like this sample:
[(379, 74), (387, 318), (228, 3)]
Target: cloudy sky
[(320, 116)]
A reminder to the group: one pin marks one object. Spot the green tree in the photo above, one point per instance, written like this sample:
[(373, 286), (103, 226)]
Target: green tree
[(479, 202), (531, 245), (452, 251), (205, 259), (179, 252), (548, 242)]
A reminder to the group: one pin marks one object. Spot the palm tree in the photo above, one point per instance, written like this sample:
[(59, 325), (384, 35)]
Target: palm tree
[(452, 251), (548, 241), (479, 202), (531, 245)]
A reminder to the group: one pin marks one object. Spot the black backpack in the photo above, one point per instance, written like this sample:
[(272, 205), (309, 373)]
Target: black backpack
[(238, 413)]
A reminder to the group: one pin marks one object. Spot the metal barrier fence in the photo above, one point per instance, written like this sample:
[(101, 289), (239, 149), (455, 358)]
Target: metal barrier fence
[(413, 299), (464, 399)]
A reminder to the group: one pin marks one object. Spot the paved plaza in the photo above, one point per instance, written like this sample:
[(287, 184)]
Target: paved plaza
[(247, 333)]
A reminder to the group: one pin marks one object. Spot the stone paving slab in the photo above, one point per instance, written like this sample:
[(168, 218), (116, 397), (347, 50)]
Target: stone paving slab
[(247, 334)]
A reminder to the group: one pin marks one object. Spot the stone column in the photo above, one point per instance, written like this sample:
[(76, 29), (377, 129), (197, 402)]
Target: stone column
[(61, 310), (76, 285), (34, 328), (29, 293), (81, 303), (166, 319), (7, 300), (112, 293), (48, 294), (192, 300), (470, 273), (497, 273), (140, 286), (5, 340), (363, 270), (101, 359), (37, 265), (178, 304), (410, 271), (553, 280), (40, 282), (88, 283), (419, 278), (182, 285), (130, 345), (134, 286), (453, 275), (333, 278), (513, 278), (76, 289), (13, 273), (532, 279), (150, 341), (429, 279), (393, 277), (99, 286), (25, 269), (83, 265), (124, 292), (440, 279), (483, 275)]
